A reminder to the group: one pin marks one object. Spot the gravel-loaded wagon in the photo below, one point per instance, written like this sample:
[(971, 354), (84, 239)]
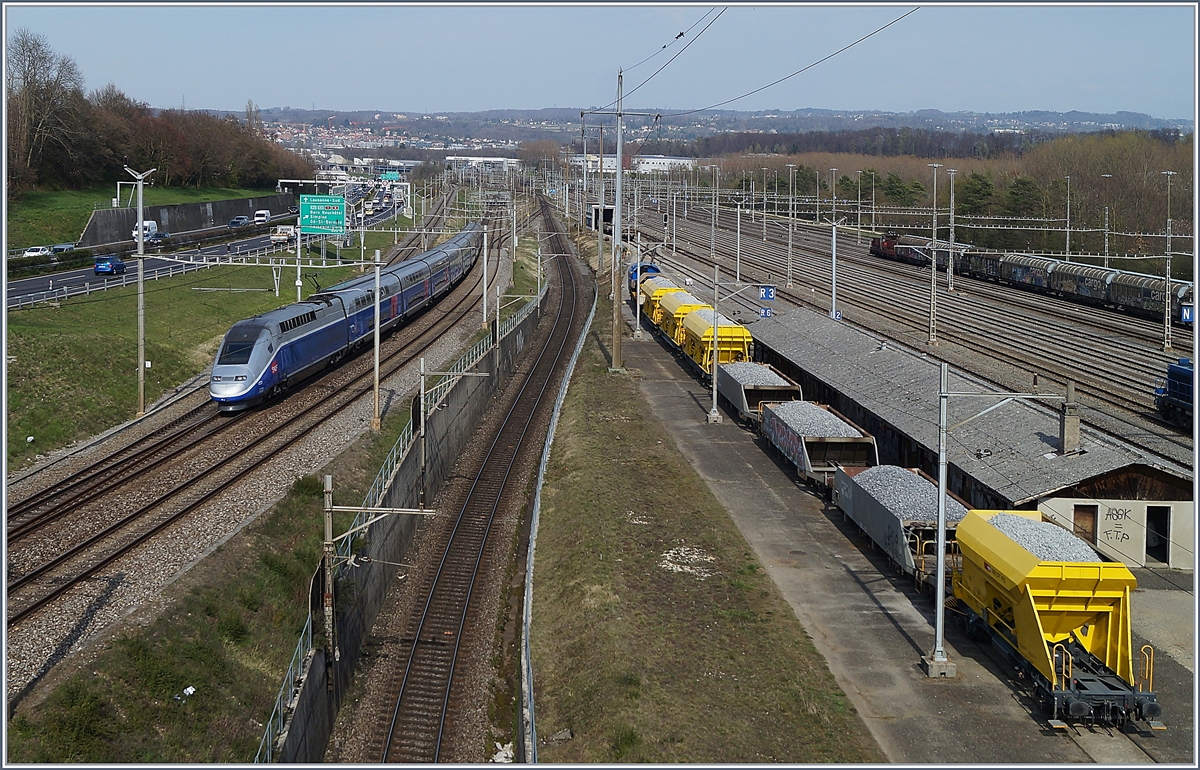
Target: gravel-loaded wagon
[(747, 385), (817, 439), (1061, 616), (897, 509)]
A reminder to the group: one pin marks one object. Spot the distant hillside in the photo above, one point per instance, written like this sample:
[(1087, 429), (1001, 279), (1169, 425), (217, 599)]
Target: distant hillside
[(527, 125)]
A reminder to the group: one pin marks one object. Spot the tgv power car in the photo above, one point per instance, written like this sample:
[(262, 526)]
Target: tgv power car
[(263, 356)]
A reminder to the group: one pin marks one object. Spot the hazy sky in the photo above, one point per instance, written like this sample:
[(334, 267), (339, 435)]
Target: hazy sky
[(1004, 58)]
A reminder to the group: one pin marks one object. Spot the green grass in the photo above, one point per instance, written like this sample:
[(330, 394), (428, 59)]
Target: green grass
[(59, 216), (229, 631), (72, 369), (648, 665)]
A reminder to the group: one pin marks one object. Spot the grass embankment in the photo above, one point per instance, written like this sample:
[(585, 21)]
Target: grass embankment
[(72, 371), (45, 217), (644, 663), (229, 630)]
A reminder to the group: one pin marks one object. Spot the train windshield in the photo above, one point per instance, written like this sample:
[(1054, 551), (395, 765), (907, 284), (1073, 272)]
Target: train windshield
[(238, 344)]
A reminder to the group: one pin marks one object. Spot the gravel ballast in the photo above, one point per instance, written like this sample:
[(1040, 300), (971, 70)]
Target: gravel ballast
[(908, 496), (748, 373), (1048, 542), (811, 421)]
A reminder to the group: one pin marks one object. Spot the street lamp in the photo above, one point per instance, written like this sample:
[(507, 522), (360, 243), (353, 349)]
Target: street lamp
[(738, 277), (950, 256), (791, 217), (141, 293), (933, 263), (1106, 202), (1167, 288)]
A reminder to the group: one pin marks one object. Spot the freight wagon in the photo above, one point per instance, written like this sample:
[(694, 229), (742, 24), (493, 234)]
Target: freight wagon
[(897, 509), (746, 386), (817, 440), (1059, 615)]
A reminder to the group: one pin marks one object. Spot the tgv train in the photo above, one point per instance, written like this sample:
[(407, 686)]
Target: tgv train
[(263, 356)]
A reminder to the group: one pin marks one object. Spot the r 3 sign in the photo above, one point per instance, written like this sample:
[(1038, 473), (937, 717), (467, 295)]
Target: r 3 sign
[(766, 293)]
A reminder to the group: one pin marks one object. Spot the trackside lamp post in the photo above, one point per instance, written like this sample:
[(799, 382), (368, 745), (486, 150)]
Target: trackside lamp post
[(937, 664), (141, 292), (375, 422)]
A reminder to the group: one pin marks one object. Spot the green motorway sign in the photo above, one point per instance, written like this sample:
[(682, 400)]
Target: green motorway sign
[(323, 214), (390, 176)]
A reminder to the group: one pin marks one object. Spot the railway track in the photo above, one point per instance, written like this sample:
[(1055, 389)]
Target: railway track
[(68, 533), (425, 692), (1110, 359)]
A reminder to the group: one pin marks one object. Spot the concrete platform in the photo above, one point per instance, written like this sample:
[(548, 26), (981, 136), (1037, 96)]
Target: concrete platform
[(868, 621)]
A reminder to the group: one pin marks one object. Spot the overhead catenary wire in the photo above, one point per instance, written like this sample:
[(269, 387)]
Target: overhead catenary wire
[(797, 72)]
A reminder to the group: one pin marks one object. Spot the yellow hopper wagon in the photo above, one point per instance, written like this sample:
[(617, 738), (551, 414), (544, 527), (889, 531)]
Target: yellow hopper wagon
[(675, 307), (652, 291), (1059, 614), (733, 341)]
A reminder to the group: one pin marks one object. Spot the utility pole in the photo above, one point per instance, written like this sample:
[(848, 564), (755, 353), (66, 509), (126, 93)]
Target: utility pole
[(617, 238), (141, 291)]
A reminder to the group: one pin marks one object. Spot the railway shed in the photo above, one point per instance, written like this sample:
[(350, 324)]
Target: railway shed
[(1130, 506)]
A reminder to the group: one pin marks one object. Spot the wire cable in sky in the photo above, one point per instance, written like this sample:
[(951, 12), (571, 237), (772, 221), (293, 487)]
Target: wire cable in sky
[(797, 72), (673, 58), (676, 56), (668, 45)]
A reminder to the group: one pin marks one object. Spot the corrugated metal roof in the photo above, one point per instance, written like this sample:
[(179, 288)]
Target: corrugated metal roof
[(1013, 448)]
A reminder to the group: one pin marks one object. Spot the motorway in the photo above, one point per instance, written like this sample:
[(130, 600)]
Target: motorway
[(68, 282)]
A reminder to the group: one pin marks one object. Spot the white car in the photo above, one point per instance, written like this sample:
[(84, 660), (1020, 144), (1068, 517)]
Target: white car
[(37, 251)]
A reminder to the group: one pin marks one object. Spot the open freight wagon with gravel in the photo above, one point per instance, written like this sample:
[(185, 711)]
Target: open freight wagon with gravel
[(746, 386), (1059, 614), (897, 508), (818, 440)]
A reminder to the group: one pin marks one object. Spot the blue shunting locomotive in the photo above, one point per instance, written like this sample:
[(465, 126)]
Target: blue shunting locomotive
[(1173, 393)]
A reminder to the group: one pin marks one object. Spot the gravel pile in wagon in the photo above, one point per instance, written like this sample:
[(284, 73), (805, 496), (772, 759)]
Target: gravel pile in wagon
[(707, 314), (1048, 542), (809, 420), (748, 373), (908, 496)]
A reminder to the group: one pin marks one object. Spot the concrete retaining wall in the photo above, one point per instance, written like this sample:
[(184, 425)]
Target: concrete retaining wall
[(116, 225), (360, 591)]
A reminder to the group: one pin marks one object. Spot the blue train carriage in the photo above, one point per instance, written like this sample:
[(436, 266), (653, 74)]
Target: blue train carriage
[(263, 356), (1173, 396), (638, 273)]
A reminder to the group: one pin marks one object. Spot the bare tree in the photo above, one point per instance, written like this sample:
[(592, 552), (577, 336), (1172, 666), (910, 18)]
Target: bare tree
[(45, 103)]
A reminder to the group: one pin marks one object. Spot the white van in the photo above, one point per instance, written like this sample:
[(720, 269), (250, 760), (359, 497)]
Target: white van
[(149, 227), (262, 216)]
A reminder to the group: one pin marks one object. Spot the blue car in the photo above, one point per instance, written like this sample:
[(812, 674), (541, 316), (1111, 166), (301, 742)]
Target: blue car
[(109, 265)]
